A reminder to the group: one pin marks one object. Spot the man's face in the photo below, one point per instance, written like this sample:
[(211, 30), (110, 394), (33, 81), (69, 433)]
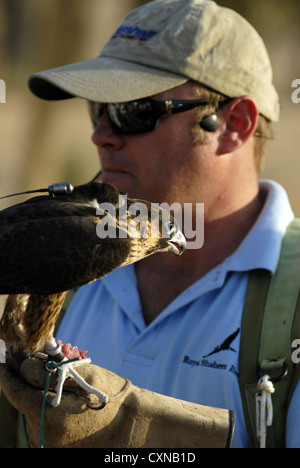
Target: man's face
[(162, 165)]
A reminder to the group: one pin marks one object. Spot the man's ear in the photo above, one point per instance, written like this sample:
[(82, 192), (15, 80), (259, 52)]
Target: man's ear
[(239, 117)]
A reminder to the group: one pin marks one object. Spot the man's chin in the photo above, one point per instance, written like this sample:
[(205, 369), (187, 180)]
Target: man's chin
[(123, 181)]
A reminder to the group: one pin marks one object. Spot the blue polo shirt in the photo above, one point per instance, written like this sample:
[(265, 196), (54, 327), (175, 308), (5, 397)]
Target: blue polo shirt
[(191, 350)]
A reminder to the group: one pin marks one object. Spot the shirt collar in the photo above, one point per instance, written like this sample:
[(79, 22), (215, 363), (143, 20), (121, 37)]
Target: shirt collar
[(261, 247)]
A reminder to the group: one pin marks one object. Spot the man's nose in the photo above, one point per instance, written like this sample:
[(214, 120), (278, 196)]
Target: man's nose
[(104, 136)]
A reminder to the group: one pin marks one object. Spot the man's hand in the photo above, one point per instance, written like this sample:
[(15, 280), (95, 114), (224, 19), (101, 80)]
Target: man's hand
[(132, 418)]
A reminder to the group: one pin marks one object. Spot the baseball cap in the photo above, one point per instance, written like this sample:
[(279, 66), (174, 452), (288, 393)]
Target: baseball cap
[(163, 44)]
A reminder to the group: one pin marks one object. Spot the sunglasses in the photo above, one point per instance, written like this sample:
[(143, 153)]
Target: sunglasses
[(141, 116)]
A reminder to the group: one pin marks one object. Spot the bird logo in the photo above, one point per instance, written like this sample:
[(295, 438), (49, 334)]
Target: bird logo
[(225, 346)]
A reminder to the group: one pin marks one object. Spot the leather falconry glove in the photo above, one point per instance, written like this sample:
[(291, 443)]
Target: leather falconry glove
[(132, 418)]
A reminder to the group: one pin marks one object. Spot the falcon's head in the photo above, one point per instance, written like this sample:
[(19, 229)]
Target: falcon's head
[(151, 229)]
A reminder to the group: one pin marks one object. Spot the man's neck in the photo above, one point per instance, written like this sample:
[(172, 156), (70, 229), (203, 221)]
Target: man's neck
[(161, 278)]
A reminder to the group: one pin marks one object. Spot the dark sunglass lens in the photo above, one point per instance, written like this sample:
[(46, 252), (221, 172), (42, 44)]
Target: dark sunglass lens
[(132, 118), (96, 110)]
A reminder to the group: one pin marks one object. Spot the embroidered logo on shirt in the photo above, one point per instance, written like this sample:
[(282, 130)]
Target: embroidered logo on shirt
[(204, 362), (225, 346)]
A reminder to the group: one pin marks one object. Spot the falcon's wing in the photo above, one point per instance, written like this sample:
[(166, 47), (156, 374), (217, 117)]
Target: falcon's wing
[(50, 245), (48, 255)]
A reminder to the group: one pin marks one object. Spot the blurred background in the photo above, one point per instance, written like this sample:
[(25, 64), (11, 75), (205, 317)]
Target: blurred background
[(44, 142)]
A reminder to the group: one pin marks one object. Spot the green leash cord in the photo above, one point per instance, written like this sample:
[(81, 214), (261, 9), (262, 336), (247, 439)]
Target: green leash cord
[(25, 430), (51, 366)]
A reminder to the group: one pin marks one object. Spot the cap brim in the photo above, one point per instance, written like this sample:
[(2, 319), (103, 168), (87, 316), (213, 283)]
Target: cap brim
[(103, 79)]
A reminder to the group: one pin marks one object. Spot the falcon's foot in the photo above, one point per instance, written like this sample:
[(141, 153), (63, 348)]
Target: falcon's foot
[(63, 360)]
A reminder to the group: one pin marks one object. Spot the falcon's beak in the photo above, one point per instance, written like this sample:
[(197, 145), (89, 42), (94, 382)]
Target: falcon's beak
[(177, 244)]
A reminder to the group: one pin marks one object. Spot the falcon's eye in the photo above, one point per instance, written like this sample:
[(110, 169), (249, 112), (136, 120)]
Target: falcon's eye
[(169, 227)]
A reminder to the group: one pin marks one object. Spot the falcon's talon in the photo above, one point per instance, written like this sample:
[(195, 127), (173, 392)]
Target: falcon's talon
[(65, 370), (62, 363)]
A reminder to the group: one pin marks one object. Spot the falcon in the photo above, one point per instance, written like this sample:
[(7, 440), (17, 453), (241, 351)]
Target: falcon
[(52, 243)]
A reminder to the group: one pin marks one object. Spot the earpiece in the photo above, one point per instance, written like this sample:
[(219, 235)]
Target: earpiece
[(209, 123)]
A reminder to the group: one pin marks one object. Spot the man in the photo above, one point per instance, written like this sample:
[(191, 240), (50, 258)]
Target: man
[(173, 325)]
